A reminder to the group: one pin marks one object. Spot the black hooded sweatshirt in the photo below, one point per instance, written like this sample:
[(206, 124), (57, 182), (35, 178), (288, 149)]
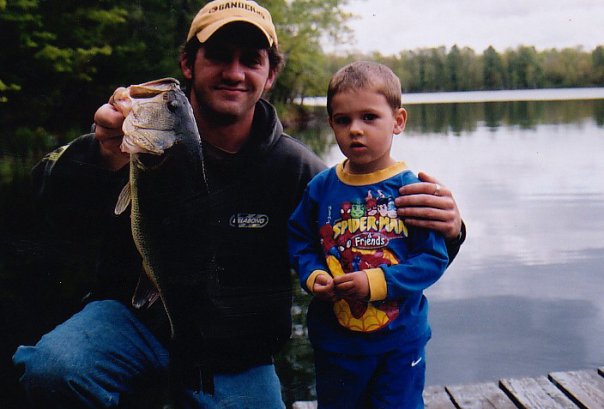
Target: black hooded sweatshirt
[(252, 193)]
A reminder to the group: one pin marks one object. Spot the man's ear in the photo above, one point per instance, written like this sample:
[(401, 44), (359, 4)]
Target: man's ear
[(272, 75), (400, 120), (185, 67)]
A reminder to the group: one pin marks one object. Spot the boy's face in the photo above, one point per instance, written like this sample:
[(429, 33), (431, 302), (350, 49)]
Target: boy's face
[(363, 124)]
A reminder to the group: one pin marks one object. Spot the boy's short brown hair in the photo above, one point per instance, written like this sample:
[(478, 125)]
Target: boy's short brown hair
[(366, 75)]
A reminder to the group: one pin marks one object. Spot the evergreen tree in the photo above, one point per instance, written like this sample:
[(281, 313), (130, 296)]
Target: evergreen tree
[(493, 73)]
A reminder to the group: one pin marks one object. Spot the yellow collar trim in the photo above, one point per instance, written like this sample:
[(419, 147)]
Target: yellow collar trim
[(362, 179)]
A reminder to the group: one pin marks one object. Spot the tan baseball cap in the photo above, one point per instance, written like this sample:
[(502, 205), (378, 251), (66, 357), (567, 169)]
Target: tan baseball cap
[(216, 14)]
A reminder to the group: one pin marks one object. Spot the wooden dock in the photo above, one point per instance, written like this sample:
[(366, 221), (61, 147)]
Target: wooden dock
[(558, 390)]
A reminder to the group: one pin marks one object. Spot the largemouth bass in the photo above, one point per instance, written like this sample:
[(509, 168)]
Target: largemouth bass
[(166, 174)]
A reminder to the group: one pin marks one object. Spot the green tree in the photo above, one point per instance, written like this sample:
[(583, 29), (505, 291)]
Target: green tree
[(436, 74), (301, 24), (570, 67), (524, 69), (493, 72), (409, 65), (454, 69), (463, 70), (597, 61), (64, 57)]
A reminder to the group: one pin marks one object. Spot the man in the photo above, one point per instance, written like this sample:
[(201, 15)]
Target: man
[(112, 353)]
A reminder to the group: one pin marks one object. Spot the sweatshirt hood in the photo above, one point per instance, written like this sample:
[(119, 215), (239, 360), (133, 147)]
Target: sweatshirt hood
[(266, 130)]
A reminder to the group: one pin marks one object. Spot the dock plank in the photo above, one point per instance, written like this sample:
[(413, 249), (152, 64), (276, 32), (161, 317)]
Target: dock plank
[(557, 390), (479, 396), (585, 388), (535, 393), (436, 397)]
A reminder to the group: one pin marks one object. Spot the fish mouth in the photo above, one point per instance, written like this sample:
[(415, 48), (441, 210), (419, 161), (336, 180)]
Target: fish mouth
[(152, 88), (123, 98), (133, 145)]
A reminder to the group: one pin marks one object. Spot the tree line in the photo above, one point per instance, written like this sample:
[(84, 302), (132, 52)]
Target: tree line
[(463, 69), (61, 59)]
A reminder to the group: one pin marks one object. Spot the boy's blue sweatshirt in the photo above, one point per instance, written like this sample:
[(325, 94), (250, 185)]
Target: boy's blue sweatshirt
[(345, 223)]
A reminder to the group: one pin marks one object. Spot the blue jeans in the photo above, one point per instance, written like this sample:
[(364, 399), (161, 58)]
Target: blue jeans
[(104, 357)]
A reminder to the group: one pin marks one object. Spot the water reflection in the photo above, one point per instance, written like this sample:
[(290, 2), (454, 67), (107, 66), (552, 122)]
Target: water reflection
[(466, 118), (459, 118), (475, 335)]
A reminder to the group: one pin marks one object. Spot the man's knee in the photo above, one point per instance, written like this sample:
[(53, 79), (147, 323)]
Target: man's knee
[(55, 374), (91, 360), (50, 365)]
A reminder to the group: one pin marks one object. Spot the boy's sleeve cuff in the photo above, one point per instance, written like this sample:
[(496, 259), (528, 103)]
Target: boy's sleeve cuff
[(378, 290), (310, 281)]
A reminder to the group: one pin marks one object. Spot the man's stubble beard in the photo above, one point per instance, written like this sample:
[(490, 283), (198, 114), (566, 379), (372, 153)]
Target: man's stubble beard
[(211, 115)]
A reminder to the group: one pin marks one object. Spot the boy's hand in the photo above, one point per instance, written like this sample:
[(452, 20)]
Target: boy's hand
[(323, 288), (353, 286)]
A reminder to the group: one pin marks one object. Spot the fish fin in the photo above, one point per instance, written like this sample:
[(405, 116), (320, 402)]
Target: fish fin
[(145, 293), (153, 282), (123, 200)]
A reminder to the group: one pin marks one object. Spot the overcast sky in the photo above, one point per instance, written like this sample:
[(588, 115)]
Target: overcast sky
[(389, 26)]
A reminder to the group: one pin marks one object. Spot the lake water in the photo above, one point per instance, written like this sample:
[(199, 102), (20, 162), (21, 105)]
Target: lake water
[(524, 296)]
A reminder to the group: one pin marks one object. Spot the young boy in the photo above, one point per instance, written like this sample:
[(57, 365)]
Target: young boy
[(365, 268)]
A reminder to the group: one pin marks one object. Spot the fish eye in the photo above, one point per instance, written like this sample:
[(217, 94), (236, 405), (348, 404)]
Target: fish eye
[(173, 105)]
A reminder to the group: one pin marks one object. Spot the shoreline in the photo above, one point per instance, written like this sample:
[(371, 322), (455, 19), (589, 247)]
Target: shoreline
[(543, 94)]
